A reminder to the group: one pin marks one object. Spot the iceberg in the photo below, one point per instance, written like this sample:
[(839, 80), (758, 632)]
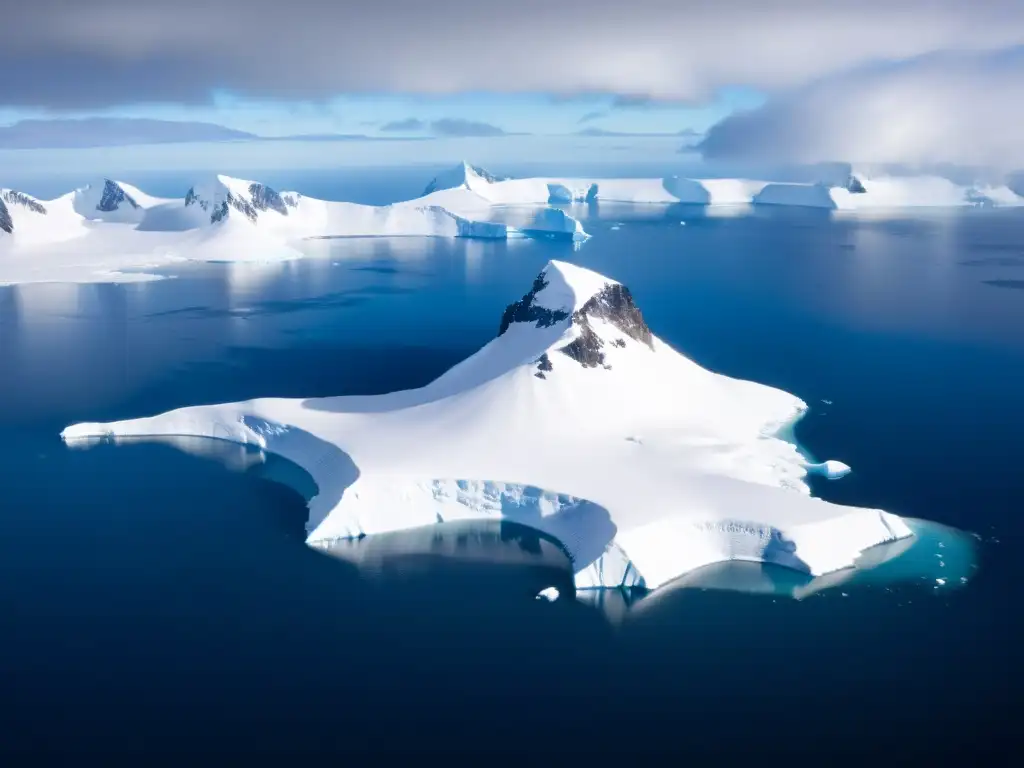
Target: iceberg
[(575, 421), (101, 230), (112, 201), (109, 230), (462, 176), (480, 189)]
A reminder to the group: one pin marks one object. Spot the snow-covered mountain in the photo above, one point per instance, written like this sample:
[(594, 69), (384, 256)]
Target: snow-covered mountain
[(220, 219), (225, 197), (14, 205), (29, 221), (113, 201), (467, 189), (229, 219), (575, 420), (462, 176)]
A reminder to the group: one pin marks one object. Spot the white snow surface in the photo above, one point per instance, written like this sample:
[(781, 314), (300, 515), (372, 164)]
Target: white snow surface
[(645, 467), (80, 238), (110, 231), (475, 192)]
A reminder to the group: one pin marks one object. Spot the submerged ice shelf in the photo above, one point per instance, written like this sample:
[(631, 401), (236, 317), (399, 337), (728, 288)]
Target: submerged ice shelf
[(576, 421)]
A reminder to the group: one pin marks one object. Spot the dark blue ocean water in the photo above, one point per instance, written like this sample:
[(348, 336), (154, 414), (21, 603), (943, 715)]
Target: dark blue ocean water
[(156, 601)]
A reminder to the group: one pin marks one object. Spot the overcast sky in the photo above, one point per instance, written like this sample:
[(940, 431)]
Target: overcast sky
[(864, 80)]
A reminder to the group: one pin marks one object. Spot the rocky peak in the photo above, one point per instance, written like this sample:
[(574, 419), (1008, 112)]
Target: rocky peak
[(460, 176), (257, 197), (11, 199), (615, 306), (527, 310), (854, 185), (112, 196), (612, 304), (14, 199)]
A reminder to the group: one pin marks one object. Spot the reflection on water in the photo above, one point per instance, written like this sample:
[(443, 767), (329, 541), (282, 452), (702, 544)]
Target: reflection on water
[(937, 557), (526, 559)]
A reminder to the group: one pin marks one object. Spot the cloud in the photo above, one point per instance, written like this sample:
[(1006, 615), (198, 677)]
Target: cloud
[(71, 54), (591, 116), (961, 109), (445, 127), (408, 125), (110, 132), (454, 126)]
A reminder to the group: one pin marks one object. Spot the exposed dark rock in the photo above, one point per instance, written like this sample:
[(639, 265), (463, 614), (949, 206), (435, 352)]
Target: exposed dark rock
[(221, 212), (13, 198), (266, 199), (434, 185), (290, 200), (10, 199), (112, 197), (615, 305), (586, 348), (525, 311), (263, 199), (854, 185)]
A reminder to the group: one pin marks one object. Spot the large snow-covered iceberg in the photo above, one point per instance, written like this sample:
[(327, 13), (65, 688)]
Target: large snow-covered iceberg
[(462, 176), (575, 420), (107, 226), (478, 189)]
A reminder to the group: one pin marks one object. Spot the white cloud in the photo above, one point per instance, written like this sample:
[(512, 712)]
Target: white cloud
[(960, 109), (69, 53)]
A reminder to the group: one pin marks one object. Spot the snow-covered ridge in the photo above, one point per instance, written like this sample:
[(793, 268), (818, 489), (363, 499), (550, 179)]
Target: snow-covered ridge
[(107, 226), (225, 195), (575, 420), (859, 192), (464, 176), (12, 202)]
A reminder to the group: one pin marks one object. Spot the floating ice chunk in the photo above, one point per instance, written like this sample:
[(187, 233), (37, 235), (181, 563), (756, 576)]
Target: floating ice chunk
[(549, 593), (830, 469)]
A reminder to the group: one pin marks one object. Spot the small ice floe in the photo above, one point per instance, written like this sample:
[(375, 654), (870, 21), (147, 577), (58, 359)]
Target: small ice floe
[(940, 582), (548, 593), (827, 402), (831, 469), (682, 223)]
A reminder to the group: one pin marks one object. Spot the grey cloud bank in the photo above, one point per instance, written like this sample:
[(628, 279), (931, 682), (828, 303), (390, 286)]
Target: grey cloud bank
[(71, 54), (844, 80), (408, 125), (960, 109), (110, 131), (451, 126)]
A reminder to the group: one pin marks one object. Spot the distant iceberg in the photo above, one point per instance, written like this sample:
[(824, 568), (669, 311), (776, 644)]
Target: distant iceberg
[(576, 421), (99, 231), (104, 228), (480, 189)]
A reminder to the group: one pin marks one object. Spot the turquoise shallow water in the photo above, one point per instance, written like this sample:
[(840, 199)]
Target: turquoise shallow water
[(153, 598)]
